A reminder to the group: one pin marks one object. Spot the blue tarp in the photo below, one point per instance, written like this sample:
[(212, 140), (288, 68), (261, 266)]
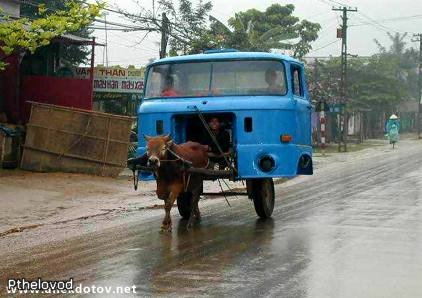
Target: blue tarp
[(10, 132)]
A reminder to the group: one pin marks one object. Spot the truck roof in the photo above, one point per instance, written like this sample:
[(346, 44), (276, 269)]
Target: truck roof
[(231, 55)]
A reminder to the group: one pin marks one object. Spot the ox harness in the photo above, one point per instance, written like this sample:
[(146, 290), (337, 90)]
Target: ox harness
[(139, 164)]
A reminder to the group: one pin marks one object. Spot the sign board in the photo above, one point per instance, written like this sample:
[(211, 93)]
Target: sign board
[(339, 32), (117, 80)]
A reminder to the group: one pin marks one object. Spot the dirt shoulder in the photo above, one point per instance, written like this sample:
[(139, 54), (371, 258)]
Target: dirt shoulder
[(30, 199)]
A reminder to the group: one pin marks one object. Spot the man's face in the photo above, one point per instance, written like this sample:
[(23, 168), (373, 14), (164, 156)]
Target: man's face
[(272, 77), (214, 123)]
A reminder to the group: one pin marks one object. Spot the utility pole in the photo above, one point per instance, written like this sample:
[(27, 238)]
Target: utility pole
[(105, 52), (165, 28), (419, 38), (342, 33)]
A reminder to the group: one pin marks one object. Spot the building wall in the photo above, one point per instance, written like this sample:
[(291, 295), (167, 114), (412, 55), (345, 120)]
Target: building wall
[(67, 92), (9, 88), (2, 110)]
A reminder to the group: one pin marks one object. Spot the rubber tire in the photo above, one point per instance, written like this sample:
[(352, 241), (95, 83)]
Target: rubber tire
[(261, 191), (184, 204)]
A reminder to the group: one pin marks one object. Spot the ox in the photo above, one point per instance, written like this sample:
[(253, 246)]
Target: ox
[(168, 160)]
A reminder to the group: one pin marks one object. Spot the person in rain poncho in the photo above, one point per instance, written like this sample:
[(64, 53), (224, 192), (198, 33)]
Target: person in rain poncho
[(393, 133)]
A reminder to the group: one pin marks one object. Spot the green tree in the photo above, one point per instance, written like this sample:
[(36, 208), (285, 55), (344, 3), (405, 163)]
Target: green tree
[(274, 28), (70, 54), (406, 61), (324, 80), (27, 34), (185, 28), (190, 31), (188, 25), (372, 82)]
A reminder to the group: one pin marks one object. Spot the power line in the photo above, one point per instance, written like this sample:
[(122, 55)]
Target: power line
[(125, 26), (326, 20), (377, 24), (318, 15), (331, 2), (325, 2), (123, 60), (325, 46), (142, 39), (129, 46), (113, 29), (338, 3), (135, 44), (158, 23), (415, 17)]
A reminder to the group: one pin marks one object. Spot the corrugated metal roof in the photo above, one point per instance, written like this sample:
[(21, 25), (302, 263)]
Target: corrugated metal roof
[(77, 39)]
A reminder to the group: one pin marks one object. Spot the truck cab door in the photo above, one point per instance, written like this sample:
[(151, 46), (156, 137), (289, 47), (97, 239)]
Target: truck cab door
[(303, 105)]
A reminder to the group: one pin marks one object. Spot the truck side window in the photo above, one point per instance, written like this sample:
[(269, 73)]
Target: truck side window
[(296, 81)]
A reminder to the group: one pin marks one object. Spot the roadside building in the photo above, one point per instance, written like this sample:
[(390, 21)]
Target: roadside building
[(116, 90), (42, 76)]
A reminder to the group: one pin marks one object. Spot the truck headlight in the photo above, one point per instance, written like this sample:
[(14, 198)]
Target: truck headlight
[(266, 163)]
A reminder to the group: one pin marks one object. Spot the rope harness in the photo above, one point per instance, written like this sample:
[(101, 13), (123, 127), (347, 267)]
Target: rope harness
[(184, 167), (186, 164)]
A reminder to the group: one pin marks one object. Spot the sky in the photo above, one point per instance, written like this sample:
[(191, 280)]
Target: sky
[(372, 21)]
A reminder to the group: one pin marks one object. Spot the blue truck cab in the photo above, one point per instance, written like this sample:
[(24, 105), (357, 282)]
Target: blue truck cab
[(261, 98)]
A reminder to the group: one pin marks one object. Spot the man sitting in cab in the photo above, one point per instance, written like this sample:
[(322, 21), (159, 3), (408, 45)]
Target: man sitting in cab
[(271, 79), (169, 90), (223, 139)]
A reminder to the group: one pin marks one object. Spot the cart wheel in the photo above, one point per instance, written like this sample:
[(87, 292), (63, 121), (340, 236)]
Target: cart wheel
[(184, 202), (261, 191)]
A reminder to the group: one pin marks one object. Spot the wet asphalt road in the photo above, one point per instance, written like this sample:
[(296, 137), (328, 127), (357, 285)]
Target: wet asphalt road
[(353, 230)]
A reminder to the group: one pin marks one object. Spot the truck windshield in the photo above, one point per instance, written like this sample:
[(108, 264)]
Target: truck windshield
[(216, 78)]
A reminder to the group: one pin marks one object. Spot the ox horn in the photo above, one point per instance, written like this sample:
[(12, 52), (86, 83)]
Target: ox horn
[(147, 138)]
